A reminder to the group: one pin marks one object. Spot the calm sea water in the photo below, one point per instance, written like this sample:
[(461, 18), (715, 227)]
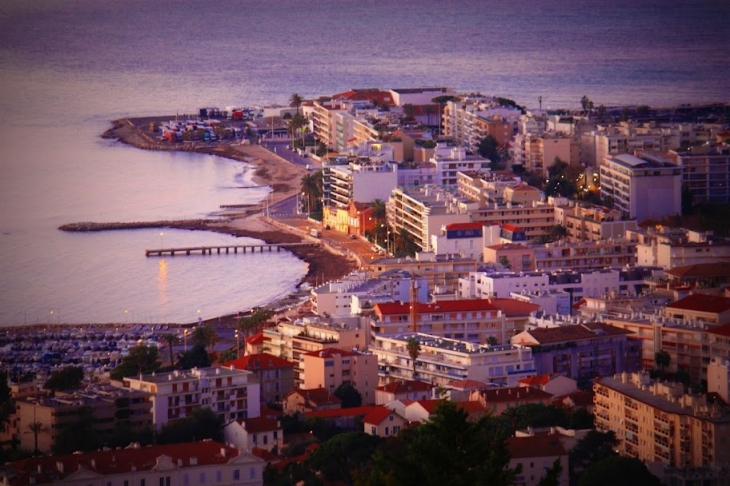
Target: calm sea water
[(68, 68)]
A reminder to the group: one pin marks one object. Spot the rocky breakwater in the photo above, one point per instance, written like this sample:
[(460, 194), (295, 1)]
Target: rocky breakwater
[(190, 224)]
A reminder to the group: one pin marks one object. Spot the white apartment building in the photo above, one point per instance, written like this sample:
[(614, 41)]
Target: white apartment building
[(472, 320), (592, 223), (579, 284), (463, 239), (705, 172), (188, 463), (230, 393), (449, 161), (443, 360), (361, 180), (421, 212), (718, 377), (348, 296), (418, 96), (646, 187), (628, 137), (467, 120), (677, 247), (537, 153)]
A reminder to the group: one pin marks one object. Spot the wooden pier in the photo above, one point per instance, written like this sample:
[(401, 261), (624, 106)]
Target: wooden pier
[(225, 249)]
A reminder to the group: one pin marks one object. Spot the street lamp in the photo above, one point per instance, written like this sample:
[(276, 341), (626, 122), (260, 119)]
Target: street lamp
[(126, 315), (200, 320), (161, 244), (185, 340), (238, 346)]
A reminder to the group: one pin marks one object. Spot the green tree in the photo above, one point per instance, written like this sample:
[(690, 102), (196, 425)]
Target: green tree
[(7, 407), (601, 112), (338, 457), (448, 449), (35, 428), (441, 101), (625, 113), (311, 185), (295, 101), (618, 470), (662, 360), (349, 395), (504, 261), (141, 359), (66, 378), (197, 357), (414, 350), (204, 423), (593, 447), (581, 418), (586, 103), (205, 336), (170, 340), (489, 149), (78, 435), (552, 476), (492, 341)]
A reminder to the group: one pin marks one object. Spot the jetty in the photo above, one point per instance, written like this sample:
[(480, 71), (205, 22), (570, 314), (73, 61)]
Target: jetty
[(226, 249)]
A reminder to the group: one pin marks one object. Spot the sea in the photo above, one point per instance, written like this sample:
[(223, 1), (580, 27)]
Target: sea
[(68, 68)]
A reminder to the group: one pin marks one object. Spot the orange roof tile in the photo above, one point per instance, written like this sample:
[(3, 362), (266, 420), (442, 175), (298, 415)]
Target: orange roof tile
[(260, 424), (119, 461), (539, 380), (466, 384), (702, 303), (542, 445), (514, 394), (513, 307), (259, 361), (377, 415), (462, 305), (329, 352), (341, 412), (398, 387)]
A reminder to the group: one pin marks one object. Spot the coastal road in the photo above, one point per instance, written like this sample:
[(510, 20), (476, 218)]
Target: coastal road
[(281, 148)]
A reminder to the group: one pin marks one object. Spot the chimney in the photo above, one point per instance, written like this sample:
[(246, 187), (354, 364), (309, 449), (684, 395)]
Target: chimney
[(223, 451), (193, 461), (59, 466)]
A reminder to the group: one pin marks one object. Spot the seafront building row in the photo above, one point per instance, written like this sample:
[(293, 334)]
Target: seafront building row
[(496, 309)]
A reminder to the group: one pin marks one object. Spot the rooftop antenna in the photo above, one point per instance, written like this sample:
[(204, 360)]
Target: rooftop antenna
[(539, 100)]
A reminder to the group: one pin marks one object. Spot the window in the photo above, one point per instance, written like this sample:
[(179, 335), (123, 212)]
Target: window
[(186, 479), (142, 482), (236, 474), (252, 473), (218, 476), (202, 478)]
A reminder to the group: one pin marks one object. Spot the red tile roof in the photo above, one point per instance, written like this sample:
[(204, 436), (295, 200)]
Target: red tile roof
[(524, 187), (466, 384), (341, 412), (377, 415), (701, 270), (469, 407), (513, 307), (318, 396), (260, 361), (462, 305), (702, 303), (457, 226), (257, 339), (541, 445), (539, 380), (573, 332), (511, 227), (119, 461), (329, 352), (260, 424), (514, 394), (723, 330), (398, 387)]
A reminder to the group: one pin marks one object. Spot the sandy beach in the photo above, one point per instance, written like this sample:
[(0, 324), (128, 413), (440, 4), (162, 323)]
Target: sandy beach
[(270, 170)]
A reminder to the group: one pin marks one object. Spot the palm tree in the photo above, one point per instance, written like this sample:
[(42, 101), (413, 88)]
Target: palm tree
[(35, 428), (170, 340), (311, 189), (296, 101), (662, 359), (378, 216), (414, 350)]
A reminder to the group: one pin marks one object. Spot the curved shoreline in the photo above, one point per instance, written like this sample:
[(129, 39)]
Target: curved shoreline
[(271, 170)]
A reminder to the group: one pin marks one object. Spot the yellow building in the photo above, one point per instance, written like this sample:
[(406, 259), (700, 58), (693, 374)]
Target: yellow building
[(658, 422), (333, 367)]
